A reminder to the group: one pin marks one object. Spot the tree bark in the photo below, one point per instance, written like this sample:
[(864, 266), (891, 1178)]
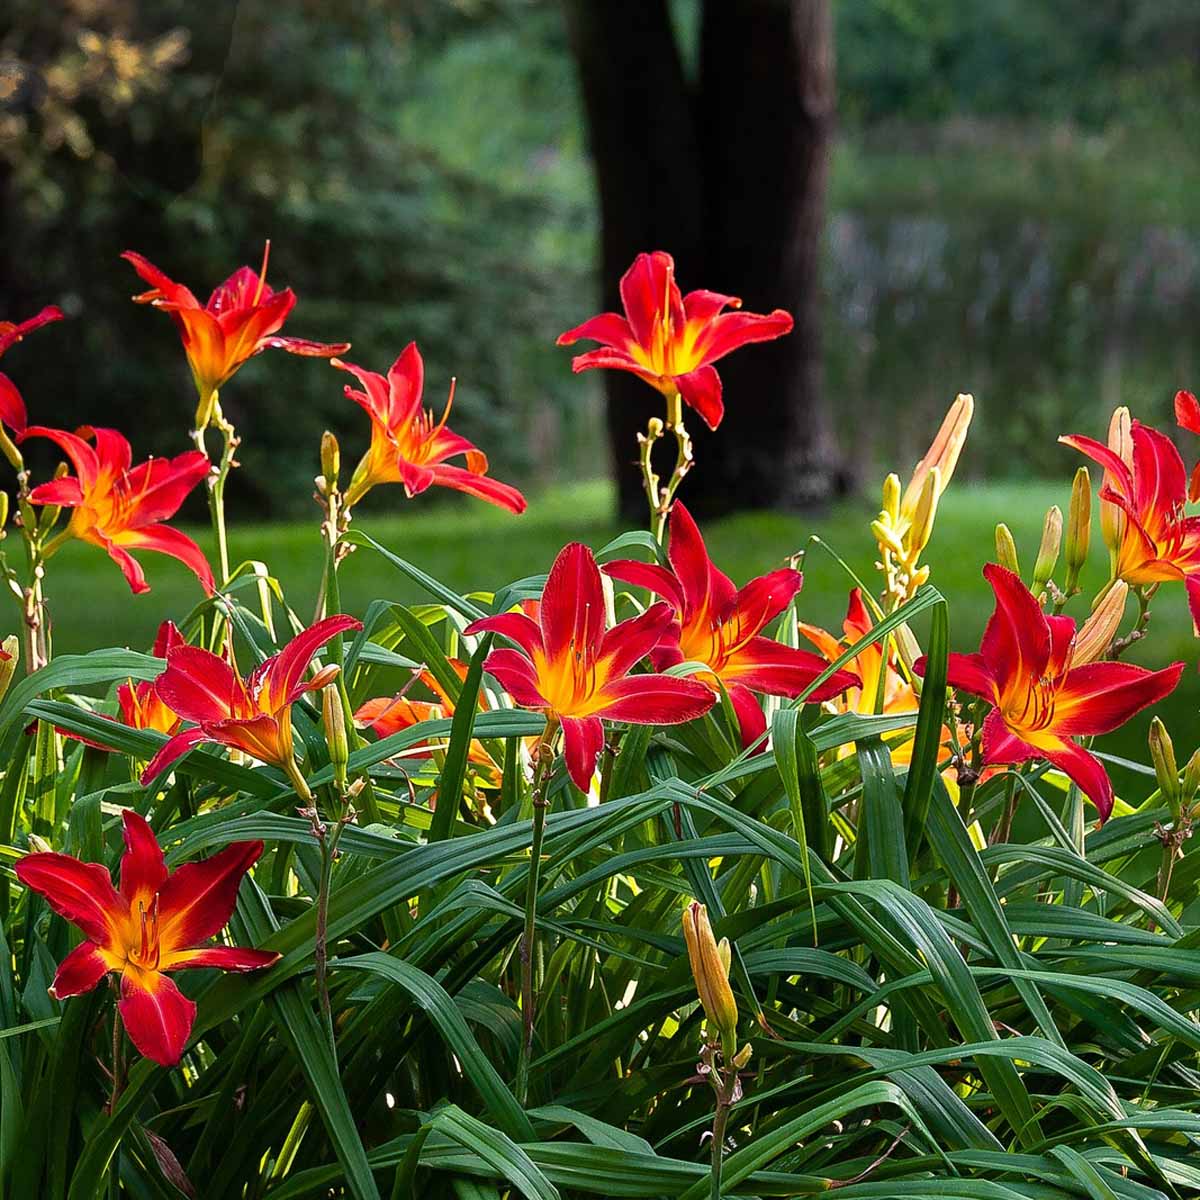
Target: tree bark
[(730, 177)]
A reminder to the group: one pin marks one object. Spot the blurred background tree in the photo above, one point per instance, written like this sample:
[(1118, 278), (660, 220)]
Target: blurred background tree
[(1013, 209)]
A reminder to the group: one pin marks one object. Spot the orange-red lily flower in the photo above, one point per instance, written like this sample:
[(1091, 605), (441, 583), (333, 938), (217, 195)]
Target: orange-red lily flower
[(12, 406), (155, 924), (241, 319), (386, 715), (575, 670), (669, 340), (721, 626), (408, 446), (253, 715), (1155, 540), (1187, 413), (121, 508), (1042, 699)]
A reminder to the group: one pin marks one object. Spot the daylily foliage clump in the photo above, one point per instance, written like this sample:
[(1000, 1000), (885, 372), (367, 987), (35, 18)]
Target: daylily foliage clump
[(624, 879)]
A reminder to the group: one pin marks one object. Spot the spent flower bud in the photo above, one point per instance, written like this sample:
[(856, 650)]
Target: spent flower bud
[(1097, 632), (710, 970), (1006, 549), (39, 845)]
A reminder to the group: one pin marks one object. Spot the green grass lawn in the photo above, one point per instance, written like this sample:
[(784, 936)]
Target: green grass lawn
[(475, 547)]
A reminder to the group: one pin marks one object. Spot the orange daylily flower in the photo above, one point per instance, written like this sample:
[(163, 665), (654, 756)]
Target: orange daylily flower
[(121, 508), (12, 406), (671, 340), (408, 446), (1146, 483), (156, 924), (242, 318), (1042, 700), (386, 715)]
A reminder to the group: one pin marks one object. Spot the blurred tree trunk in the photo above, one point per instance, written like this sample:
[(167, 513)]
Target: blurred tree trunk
[(728, 174)]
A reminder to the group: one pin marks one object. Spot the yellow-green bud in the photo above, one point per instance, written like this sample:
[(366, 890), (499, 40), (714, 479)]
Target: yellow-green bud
[(3, 509), (1162, 754), (1191, 778), (885, 535), (334, 718), (1079, 527), (891, 497), (654, 429), (710, 970), (11, 647), (1047, 555), (331, 459), (1006, 549), (925, 514)]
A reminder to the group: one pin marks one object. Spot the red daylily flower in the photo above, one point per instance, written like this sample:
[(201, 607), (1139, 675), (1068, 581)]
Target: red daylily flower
[(408, 446), (669, 340), (721, 626), (1187, 414), (12, 406), (241, 319), (1155, 541), (386, 715), (574, 670), (120, 508), (155, 924), (253, 715), (1042, 701)]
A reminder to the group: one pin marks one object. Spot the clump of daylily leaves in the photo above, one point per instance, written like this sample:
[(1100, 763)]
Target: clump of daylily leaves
[(1040, 686)]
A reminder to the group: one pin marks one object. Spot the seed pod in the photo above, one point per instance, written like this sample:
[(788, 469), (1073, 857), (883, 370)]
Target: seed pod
[(710, 970), (1079, 527), (1047, 556), (1006, 549)]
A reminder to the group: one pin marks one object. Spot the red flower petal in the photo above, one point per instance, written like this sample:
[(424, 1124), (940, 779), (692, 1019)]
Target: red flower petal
[(12, 406), (162, 539), (572, 608), (655, 699), (282, 675), (1086, 772), (1102, 696), (143, 868), (708, 593), (223, 958), (173, 750), (752, 721), (517, 676), (764, 598), (1187, 411), (198, 900), (157, 1015), (968, 673), (517, 627), (649, 293), (81, 892), (609, 329), (307, 348), (764, 665), (728, 331), (583, 739), (199, 685), (1016, 641), (650, 576), (79, 972), (701, 390), (626, 644), (503, 495)]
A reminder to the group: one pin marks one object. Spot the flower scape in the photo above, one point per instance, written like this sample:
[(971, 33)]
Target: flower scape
[(624, 879)]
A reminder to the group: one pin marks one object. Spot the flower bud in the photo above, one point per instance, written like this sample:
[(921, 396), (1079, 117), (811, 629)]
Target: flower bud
[(1079, 527), (1120, 442), (10, 654), (1191, 778), (331, 459), (1097, 632), (334, 718), (39, 845), (1162, 754), (654, 429), (891, 497), (710, 970), (942, 454), (743, 1056), (885, 535), (1006, 549), (1047, 555), (925, 513)]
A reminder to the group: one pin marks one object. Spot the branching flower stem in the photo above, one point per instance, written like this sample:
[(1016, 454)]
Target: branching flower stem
[(543, 762), (661, 496)]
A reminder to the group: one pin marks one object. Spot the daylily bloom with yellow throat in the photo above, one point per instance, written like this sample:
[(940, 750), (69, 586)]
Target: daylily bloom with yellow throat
[(12, 406), (1150, 537), (253, 715), (1043, 699), (721, 626), (577, 672), (242, 318), (671, 340), (121, 508), (155, 924), (408, 446)]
